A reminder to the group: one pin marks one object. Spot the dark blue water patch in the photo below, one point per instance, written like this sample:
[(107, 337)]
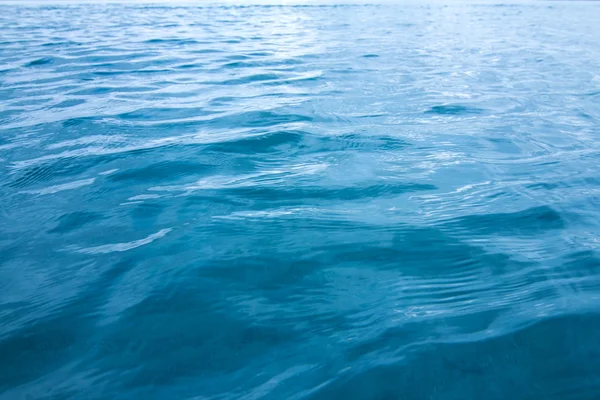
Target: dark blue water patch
[(38, 349), (71, 122), (206, 51), (591, 94), (236, 57), (454, 110), (146, 211), (263, 273), (75, 220), (6, 70), (196, 344), (172, 41), (532, 221), (60, 42), (261, 53), (40, 61), (256, 78), (48, 343), (166, 170), (232, 41), (69, 103), (494, 368), (190, 65)]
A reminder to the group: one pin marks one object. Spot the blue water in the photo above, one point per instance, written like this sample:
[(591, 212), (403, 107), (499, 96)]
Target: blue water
[(300, 202)]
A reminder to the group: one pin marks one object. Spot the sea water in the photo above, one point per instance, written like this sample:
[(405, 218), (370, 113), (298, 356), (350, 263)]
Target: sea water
[(300, 201)]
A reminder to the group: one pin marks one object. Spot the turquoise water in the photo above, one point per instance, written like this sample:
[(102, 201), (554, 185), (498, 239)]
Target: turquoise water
[(300, 202)]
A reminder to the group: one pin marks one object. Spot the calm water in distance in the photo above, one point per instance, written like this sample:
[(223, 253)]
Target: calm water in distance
[(300, 202)]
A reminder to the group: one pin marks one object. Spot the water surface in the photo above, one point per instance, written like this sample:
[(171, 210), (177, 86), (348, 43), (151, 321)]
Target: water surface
[(300, 202)]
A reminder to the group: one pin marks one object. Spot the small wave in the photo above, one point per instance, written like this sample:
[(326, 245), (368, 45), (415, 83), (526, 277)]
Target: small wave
[(533, 221), (120, 247), (160, 171), (40, 61), (249, 79), (454, 110), (64, 186), (174, 41), (72, 221)]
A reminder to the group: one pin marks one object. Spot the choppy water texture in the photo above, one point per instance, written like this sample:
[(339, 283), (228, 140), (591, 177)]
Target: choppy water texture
[(300, 202)]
